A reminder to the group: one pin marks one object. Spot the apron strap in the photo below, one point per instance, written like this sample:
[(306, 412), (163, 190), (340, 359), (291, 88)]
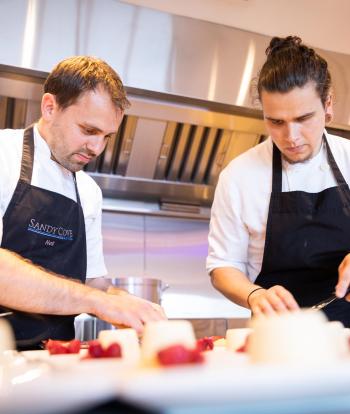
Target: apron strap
[(334, 166), (276, 170), (76, 189), (27, 155)]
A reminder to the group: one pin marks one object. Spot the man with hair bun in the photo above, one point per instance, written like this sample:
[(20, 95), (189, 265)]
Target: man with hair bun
[(50, 226), (280, 224)]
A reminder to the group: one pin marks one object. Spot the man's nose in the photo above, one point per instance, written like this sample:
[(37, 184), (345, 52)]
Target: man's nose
[(293, 133), (96, 145)]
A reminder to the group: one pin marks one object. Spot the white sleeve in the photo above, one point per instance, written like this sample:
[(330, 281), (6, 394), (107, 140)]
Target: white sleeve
[(94, 244), (91, 199), (0, 229), (228, 235)]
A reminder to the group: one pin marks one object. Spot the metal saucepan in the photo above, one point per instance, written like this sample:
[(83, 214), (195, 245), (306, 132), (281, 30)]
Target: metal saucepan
[(87, 327), (146, 288)]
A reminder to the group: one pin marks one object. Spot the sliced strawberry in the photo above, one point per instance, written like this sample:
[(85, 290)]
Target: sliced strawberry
[(74, 346), (95, 349), (196, 357), (205, 344), (113, 351), (56, 347), (178, 354)]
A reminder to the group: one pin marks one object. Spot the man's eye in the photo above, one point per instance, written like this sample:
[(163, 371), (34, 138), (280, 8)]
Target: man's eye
[(305, 118), (276, 121)]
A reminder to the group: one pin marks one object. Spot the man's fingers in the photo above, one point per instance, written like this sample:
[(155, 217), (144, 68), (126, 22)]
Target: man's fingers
[(287, 298), (344, 277)]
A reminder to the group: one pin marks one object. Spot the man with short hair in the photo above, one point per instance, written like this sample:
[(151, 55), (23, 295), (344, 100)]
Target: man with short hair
[(51, 209)]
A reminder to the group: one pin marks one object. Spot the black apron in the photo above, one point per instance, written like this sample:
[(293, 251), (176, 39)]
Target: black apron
[(48, 229), (307, 237)]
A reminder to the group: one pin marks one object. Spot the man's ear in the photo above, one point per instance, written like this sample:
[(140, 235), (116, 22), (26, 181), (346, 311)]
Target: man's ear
[(329, 108), (48, 106)]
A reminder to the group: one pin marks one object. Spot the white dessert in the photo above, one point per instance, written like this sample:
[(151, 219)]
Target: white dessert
[(128, 341), (220, 343), (236, 338), (340, 337), (297, 338), (162, 334), (7, 340)]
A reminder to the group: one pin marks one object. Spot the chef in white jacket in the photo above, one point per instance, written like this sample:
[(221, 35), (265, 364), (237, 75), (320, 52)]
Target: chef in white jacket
[(51, 210), (280, 223)]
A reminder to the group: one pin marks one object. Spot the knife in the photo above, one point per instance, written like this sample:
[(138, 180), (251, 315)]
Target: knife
[(327, 301), (5, 314)]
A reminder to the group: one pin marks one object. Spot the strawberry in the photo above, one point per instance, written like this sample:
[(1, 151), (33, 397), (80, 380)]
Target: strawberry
[(55, 347), (205, 344), (113, 351), (95, 349), (74, 346), (178, 354)]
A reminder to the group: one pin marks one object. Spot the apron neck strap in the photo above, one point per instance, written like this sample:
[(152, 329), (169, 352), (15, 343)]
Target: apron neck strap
[(76, 188), (277, 167), (334, 166), (276, 170)]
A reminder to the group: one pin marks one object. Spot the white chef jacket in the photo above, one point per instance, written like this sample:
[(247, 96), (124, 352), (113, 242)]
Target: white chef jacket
[(51, 176), (242, 197)]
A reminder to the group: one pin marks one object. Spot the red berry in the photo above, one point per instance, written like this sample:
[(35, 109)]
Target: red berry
[(74, 346), (58, 349), (178, 354), (196, 356), (95, 349), (205, 344), (113, 351), (55, 347)]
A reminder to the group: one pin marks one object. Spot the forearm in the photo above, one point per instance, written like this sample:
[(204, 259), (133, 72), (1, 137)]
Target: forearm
[(26, 287), (233, 284)]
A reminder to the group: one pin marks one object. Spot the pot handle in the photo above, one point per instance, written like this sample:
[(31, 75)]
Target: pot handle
[(164, 286)]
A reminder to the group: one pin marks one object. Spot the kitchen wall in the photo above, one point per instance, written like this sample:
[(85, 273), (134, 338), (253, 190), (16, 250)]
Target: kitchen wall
[(173, 250)]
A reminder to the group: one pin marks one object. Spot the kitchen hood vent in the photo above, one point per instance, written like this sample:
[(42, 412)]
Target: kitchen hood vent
[(188, 153), (172, 153), (169, 149)]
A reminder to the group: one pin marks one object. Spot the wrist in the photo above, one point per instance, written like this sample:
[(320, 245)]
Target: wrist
[(252, 292), (93, 300)]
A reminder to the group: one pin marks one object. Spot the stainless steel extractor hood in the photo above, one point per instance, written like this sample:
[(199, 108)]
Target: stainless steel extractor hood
[(168, 152), (171, 152), (169, 149)]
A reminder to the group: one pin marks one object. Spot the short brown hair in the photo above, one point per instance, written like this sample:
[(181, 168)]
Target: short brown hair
[(291, 64), (78, 74)]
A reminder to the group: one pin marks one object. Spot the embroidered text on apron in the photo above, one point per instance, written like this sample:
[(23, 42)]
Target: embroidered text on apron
[(49, 229), (307, 237)]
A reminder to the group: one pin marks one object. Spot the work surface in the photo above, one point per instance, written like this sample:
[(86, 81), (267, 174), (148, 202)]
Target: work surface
[(34, 382)]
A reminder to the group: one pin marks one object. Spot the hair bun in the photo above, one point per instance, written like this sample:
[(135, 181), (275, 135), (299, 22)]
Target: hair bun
[(279, 43)]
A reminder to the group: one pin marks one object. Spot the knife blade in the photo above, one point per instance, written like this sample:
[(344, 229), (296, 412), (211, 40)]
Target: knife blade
[(327, 301)]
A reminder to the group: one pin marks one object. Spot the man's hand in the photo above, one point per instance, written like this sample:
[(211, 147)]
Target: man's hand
[(127, 310), (343, 278), (276, 299)]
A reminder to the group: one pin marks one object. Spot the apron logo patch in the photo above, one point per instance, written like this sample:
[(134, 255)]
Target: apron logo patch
[(50, 231)]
